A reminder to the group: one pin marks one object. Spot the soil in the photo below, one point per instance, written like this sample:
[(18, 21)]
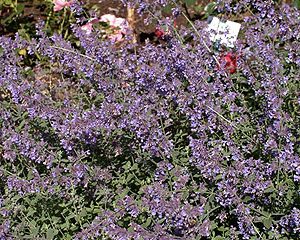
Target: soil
[(37, 9)]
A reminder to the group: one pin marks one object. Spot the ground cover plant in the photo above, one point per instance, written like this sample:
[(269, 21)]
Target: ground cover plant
[(177, 137)]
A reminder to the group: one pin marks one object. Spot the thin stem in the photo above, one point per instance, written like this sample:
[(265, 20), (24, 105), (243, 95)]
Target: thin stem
[(48, 19), (221, 116), (71, 51), (256, 230), (231, 124), (61, 28), (204, 43), (10, 173)]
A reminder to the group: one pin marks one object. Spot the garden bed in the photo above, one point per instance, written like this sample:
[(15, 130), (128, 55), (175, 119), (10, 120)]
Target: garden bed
[(111, 129)]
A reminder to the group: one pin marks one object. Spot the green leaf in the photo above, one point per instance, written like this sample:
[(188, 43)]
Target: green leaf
[(198, 8), (51, 233), (134, 166), (222, 229), (127, 166), (34, 231), (267, 222), (185, 195), (214, 225), (55, 219), (218, 238), (209, 8), (147, 223), (190, 2), (219, 177), (1, 51), (247, 199), (129, 177), (96, 210), (184, 160), (19, 128), (30, 212), (269, 190), (83, 213), (296, 4), (20, 8), (72, 215), (65, 225), (167, 9), (8, 2)]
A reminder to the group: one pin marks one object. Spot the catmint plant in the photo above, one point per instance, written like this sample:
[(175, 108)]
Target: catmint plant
[(170, 139)]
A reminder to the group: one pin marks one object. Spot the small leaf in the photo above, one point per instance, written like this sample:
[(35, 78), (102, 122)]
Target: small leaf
[(267, 222), (127, 166), (129, 177), (218, 238), (134, 166), (31, 211), (167, 9), (51, 233), (269, 190), (83, 213), (20, 8), (72, 215), (222, 229), (209, 8), (219, 177), (65, 225), (247, 199), (21, 125), (34, 231), (55, 220)]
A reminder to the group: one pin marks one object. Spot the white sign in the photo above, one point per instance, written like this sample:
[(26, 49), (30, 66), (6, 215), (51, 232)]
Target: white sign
[(225, 32)]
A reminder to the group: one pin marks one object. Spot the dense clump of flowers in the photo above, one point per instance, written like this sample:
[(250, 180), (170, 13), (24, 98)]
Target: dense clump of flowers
[(154, 141)]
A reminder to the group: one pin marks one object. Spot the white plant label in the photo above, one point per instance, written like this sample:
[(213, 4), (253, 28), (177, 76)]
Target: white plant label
[(225, 32)]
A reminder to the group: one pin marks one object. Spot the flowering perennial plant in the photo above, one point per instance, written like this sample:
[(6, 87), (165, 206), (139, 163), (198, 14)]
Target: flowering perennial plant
[(153, 141)]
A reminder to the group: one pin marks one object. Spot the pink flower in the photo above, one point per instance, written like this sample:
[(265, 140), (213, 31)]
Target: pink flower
[(60, 4), (112, 20), (109, 18), (88, 27), (120, 23)]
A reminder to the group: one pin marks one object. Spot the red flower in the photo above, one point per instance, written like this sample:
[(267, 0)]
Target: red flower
[(175, 24), (159, 33), (229, 61)]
